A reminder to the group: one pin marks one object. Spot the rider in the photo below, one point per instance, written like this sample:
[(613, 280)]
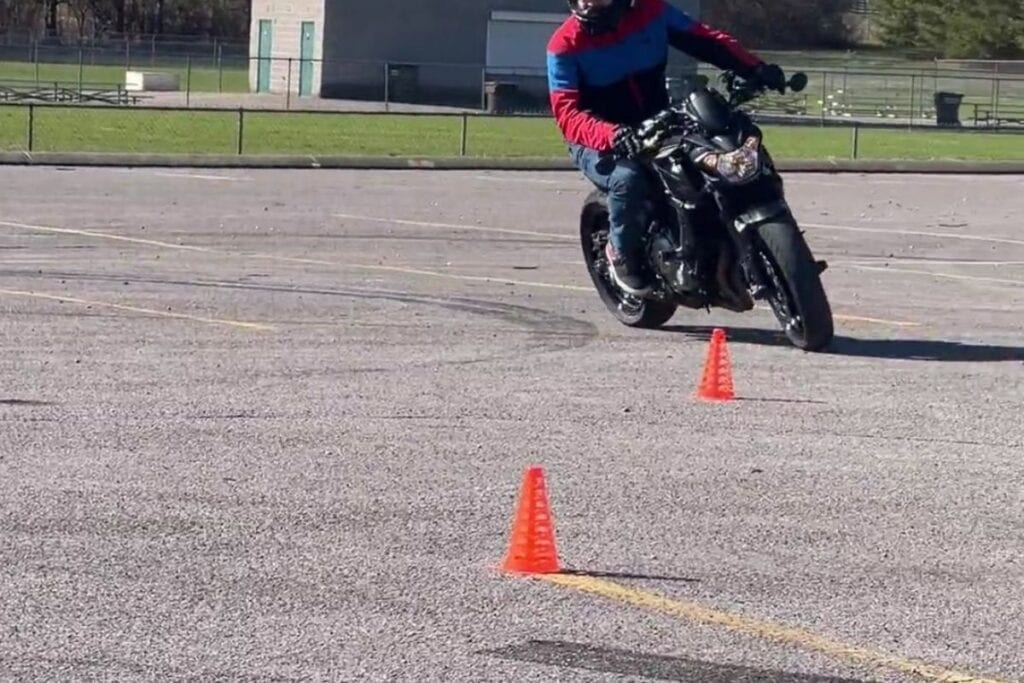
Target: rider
[(606, 74)]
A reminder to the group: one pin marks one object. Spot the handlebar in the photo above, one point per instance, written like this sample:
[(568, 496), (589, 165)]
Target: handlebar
[(740, 91)]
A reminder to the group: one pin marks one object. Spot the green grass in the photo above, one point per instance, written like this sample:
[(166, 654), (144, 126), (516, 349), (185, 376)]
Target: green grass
[(82, 129), (203, 78)]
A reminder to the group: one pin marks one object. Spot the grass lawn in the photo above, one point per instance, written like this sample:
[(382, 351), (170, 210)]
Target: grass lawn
[(204, 77), (81, 129)]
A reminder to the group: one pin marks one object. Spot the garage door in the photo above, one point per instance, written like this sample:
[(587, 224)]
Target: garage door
[(517, 42)]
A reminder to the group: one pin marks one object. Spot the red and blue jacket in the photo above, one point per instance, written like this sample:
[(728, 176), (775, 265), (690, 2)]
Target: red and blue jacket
[(597, 82)]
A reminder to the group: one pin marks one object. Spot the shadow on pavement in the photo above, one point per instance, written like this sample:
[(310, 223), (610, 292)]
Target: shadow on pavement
[(627, 575), (905, 349), (655, 667)]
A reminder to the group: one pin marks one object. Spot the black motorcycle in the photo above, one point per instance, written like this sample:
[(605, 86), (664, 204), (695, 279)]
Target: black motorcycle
[(719, 230)]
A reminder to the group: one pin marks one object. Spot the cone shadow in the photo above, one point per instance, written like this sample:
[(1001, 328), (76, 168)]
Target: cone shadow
[(568, 655), (888, 349), (627, 575)]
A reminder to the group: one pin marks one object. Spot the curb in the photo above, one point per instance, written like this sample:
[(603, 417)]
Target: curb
[(466, 163)]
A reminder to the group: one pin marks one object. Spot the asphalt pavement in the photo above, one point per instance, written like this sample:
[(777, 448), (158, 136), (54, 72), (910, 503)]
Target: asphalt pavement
[(272, 425)]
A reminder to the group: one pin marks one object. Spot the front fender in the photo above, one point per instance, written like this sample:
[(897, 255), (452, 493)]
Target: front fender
[(761, 213)]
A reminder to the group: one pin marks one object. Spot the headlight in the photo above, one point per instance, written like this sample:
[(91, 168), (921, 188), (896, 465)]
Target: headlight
[(739, 166)]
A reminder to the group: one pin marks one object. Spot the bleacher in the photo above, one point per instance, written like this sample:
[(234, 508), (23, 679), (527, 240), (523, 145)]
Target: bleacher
[(30, 90)]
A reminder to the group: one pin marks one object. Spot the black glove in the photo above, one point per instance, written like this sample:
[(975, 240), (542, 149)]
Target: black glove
[(626, 142), (770, 76)]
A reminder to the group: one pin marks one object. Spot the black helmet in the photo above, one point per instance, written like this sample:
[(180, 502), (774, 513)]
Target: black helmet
[(601, 19)]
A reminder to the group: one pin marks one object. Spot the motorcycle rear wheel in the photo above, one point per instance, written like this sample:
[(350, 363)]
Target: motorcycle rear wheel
[(628, 310)]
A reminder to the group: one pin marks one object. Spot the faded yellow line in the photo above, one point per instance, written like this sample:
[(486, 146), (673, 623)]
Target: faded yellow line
[(390, 269), (456, 226), (137, 309), (862, 319), (767, 630)]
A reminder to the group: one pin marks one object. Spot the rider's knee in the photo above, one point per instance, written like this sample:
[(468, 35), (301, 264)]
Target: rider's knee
[(627, 178)]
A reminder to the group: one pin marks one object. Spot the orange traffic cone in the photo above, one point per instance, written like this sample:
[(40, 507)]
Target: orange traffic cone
[(532, 547), (716, 383)]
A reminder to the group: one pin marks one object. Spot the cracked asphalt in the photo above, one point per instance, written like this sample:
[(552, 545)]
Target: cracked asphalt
[(271, 425)]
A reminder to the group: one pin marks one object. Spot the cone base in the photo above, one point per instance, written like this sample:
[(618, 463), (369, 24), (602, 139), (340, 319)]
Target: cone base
[(514, 566)]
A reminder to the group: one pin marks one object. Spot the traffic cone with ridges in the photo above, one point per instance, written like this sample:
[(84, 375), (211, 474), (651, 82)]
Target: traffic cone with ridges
[(716, 382), (532, 547)]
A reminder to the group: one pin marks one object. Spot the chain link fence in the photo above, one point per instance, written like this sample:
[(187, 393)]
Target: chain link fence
[(208, 78)]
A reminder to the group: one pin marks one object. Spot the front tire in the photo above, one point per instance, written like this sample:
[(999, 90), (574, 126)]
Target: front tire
[(628, 310), (799, 301)]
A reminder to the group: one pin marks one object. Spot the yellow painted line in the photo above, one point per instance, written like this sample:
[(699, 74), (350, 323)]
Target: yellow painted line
[(946, 276), (137, 309), (380, 268), (861, 319), (454, 226), (767, 630), (471, 278)]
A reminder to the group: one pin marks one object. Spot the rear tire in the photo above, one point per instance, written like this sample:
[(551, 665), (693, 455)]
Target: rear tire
[(786, 257), (627, 309)]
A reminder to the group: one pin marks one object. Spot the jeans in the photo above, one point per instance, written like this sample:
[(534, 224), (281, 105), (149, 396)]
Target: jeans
[(626, 186)]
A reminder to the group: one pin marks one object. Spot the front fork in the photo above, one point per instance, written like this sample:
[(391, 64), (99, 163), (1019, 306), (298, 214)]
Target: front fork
[(742, 228)]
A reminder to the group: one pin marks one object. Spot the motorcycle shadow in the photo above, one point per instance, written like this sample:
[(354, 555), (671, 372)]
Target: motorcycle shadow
[(891, 349)]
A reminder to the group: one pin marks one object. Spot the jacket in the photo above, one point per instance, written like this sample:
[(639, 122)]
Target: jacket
[(597, 82)]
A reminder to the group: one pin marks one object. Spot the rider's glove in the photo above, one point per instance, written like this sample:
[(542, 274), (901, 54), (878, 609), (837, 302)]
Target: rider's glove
[(770, 76), (626, 143)]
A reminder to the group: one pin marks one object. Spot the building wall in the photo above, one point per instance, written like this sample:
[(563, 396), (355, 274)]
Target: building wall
[(428, 46), (286, 43)]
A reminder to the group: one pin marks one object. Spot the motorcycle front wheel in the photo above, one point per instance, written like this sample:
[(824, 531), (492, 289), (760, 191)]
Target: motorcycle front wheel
[(798, 298)]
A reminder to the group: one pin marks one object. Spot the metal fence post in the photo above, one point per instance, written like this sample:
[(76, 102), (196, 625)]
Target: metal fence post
[(387, 86), (31, 124), (824, 95), (241, 128), (188, 79), (854, 141), (288, 87), (913, 90), (465, 134)]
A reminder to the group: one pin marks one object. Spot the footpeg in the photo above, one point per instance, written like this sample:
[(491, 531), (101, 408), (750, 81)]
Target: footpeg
[(822, 266)]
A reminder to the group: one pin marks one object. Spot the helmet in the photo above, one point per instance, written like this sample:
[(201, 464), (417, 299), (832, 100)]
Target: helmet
[(601, 19)]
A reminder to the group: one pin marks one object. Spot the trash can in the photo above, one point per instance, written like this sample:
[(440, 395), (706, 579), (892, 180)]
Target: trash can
[(500, 97), (947, 108)]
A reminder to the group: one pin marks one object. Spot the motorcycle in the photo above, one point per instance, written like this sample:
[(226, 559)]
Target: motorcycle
[(718, 216)]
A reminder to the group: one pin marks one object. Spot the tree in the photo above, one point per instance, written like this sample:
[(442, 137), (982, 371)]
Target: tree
[(979, 29), (782, 23)]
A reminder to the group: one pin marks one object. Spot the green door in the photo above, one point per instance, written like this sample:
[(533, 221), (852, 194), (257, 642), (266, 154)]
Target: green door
[(306, 65), (263, 66)]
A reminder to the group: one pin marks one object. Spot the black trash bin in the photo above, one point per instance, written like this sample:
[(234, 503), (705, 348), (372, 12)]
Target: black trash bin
[(947, 108)]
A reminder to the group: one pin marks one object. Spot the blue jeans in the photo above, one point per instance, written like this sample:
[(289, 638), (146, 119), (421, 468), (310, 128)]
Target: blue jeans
[(626, 186)]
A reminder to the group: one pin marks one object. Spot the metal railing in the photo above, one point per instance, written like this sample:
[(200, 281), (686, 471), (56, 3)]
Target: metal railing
[(155, 130)]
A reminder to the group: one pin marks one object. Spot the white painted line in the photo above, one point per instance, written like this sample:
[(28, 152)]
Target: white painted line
[(922, 262), (516, 179), (945, 276), (918, 233), (453, 226), (107, 236), (200, 176)]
